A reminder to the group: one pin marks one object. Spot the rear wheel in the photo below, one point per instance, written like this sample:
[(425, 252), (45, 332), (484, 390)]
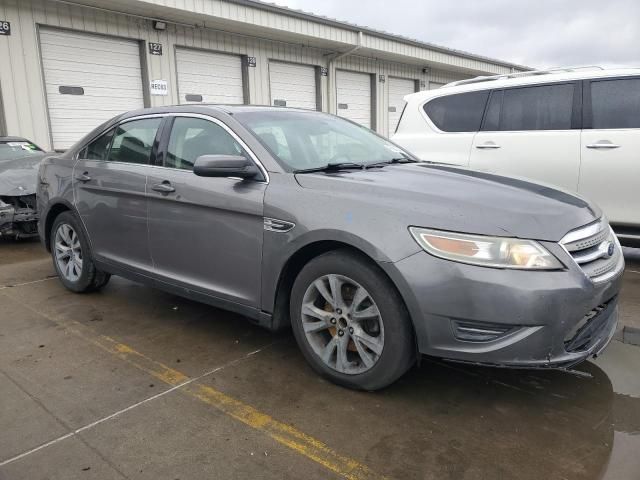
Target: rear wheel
[(350, 322), (72, 257)]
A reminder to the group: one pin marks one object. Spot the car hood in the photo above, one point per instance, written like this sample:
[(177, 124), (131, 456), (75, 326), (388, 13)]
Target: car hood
[(458, 199), (19, 176)]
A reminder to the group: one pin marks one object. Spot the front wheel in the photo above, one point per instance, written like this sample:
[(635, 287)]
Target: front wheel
[(72, 257), (350, 322)]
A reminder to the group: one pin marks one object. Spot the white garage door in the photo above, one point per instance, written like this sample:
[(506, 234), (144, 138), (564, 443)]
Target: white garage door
[(89, 79), (292, 85), (354, 96), (209, 77), (398, 89)]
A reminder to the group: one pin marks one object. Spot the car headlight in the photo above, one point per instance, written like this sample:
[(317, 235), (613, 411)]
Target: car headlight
[(495, 252)]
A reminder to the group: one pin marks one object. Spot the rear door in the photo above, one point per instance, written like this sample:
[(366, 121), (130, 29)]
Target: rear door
[(206, 233), (109, 183), (532, 132), (610, 148), (452, 123)]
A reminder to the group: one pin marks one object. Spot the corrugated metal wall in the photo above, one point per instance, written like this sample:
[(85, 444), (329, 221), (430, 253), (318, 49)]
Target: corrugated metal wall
[(21, 80)]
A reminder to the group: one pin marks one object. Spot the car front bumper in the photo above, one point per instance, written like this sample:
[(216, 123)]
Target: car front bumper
[(18, 217), (504, 317)]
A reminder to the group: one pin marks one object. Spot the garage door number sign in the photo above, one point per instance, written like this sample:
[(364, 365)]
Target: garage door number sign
[(155, 48), (5, 28)]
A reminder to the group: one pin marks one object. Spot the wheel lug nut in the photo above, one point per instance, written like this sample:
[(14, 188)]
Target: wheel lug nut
[(339, 311), (333, 321), (350, 329), (340, 333)]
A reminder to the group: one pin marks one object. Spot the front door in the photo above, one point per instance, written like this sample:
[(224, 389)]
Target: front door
[(531, 132), (109, 183), (610, 173), (205, 233)]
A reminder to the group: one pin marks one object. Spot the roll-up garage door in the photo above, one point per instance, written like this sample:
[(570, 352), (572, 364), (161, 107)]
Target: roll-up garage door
[(292, 85), (209, 77), (89, 79), (354, 96), (398, 89)]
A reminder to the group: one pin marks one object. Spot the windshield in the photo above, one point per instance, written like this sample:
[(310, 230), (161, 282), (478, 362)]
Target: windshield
[(305, 140), (18, 149)]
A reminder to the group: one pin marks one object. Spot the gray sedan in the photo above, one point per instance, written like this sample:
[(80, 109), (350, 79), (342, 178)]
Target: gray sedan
[(302, 219)]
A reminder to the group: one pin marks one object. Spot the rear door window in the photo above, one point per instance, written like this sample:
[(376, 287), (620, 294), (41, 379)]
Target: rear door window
[(544, 107), (133, 141), (461, 112), (615, 103)]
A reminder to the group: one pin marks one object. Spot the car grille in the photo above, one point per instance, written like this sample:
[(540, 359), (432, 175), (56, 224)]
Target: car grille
[(596, 251)]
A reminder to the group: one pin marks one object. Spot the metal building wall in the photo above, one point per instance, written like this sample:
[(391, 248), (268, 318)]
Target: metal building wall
[(21, 79)]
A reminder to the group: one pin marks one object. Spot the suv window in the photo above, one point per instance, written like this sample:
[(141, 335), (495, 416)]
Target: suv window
[(99, 148), (461, 112), (616, 103), (133, 141), (193, 137), (545, 107)]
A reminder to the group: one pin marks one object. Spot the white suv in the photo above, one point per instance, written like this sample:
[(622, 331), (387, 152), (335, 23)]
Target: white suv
[(578, 128)]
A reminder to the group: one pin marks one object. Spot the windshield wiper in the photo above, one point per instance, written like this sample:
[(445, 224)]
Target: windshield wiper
[(334, 167), (392, 161)]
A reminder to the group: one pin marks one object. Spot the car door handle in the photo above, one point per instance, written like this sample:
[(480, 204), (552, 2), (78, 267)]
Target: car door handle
[(603, 144), (487, 146), (84, 178), (164, 187)]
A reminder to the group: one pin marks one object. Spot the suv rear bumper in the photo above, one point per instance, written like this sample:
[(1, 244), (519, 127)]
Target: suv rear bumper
[(512, 318)]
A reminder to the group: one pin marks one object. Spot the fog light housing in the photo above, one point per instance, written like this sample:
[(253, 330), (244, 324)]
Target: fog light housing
[(479, 332)]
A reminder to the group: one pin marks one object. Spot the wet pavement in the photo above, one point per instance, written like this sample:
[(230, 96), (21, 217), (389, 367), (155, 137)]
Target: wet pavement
[(131, 382)]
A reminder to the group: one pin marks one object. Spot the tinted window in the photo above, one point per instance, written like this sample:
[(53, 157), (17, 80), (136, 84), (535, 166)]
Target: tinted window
[(457, 113), (616, 103), (548, 107), (133, 141), (193, 137), (98, 149)]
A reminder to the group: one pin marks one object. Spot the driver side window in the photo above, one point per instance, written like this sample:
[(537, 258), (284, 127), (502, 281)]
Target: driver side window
[(193, 137)]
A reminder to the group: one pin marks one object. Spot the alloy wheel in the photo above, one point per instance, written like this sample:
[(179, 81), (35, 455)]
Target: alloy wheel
[(343, 324), (68, 252)]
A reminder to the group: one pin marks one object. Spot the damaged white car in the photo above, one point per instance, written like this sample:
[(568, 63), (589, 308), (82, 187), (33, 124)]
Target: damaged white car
[(19, 161)]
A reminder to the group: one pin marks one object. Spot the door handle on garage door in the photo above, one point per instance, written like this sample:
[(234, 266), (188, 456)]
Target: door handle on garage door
[(603, 144), (83, 177), (487, 146), (164, 187)]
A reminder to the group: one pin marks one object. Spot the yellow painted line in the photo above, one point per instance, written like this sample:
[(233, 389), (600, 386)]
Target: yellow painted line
[(282, 433)]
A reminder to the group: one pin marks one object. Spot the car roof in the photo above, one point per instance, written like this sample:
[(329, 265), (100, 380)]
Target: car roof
[(522, 79)]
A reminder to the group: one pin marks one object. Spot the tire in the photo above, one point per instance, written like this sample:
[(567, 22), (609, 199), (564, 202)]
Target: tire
[(69, 245), (361, 350)]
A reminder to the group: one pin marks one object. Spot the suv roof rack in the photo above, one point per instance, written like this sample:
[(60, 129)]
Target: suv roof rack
[(528, 73)]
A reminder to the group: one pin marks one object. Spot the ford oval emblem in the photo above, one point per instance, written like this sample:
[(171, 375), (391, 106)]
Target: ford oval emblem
[(610, 249)]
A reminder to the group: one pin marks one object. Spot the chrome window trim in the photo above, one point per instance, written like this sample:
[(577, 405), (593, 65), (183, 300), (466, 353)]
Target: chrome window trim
[(233, 134)]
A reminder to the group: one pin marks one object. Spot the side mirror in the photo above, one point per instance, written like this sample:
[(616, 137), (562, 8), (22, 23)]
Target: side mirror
[(224, 166)]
